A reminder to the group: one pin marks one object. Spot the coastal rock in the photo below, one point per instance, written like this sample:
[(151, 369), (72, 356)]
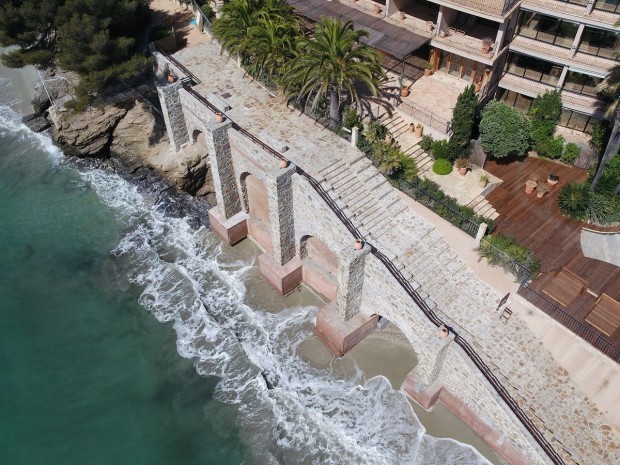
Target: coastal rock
[(88, 134), (36, 123)]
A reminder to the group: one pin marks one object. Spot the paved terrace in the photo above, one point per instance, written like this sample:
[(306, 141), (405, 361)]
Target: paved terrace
[(570, 421)]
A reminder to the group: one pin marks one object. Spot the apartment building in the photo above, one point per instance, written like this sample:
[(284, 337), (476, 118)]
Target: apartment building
[(514, 49), (568, 45)]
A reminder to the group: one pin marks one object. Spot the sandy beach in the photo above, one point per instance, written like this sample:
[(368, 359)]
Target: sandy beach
[(20, 83)]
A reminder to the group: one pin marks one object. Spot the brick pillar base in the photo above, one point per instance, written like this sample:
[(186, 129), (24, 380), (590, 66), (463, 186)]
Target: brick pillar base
[(231, 230), (341, 336), (283, 278)]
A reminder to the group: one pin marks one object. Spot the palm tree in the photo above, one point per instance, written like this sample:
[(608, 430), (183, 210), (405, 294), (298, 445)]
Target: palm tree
[(233, 27), (332, 63), (272, 43), (610, 87)]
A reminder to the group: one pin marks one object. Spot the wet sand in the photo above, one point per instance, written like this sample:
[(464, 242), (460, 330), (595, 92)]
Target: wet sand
[(21, 82), (386, 353)]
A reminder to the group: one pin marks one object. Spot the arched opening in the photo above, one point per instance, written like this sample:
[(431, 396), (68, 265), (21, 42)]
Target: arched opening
[(256, 204), (198, 137), (319, 267)]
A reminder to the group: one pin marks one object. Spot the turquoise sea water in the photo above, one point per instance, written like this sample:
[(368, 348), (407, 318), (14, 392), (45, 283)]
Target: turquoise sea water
[(88, 377), (128, 337)]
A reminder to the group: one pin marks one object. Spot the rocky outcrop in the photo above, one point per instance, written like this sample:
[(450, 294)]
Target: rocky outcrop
[(89, 133)]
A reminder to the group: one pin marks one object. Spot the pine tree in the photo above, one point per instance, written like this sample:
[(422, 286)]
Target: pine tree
[(463, 122)]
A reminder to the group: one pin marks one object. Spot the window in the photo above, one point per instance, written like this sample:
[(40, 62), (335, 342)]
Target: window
[(514, 99), (599, 42), (547, 29), (582, 83), (608, 5), (533, 69), (577, 121)]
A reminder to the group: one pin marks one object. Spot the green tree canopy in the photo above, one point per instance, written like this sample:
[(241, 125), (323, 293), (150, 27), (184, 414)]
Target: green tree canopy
[(463, 122), (503, 130), (96, 39), (331, 63)]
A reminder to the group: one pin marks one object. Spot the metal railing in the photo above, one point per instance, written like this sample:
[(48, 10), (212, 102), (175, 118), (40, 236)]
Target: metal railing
[(407, 287), (494, 7), (420, 113), (206, 22), (568, 321)]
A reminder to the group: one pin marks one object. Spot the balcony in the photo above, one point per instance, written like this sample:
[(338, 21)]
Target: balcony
[(457, 41), (418, 18), (560, 55), (570, 100), (599, 17), (371, 7), (498, 9)]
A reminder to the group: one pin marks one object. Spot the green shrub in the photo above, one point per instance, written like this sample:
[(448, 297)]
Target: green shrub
[(208, 11), (351, 119), (551, 147), (159, 32), (547, 107), (375, 131), (504, 251), (391, 161), (571, 152), (442, 167), (577, 201), (504, 131), (463, 117), (599, 137), (426, 143), (441, 149)]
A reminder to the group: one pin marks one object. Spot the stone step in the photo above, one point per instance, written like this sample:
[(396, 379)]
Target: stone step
[(336, 173), (327, 170), (375, 218), (494, 215), (486, 208), (369, 213), (342, 175)]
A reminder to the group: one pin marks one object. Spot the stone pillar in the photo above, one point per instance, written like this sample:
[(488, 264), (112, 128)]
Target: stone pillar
[(499, 38), (562, 78), (482, 230), (351, 280), (282, 216), (173, 113), (281, 269), (424, 382), (227, 218), (354, 135), (577, 40), (340, 325)]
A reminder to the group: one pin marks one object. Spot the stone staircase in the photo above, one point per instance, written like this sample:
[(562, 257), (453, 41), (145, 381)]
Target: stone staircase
[(418, 251), (408, 143), (482, 207)]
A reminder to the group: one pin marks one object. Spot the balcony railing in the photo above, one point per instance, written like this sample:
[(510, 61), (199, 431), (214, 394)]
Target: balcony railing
[(492, 7), (368, 6), (416, 25), (461, 41), (424, 115), (578, 11)]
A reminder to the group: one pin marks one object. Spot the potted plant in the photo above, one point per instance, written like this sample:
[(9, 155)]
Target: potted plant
[(171, 77), (477, 83), (552, 179), (388, 138), (404, 90), (283, 163), (402, 15), (461, 164), (219, 117), (377, 9), (541, 189), (411, 127), (530, 185), (442, 33), (486, 44), (484, 179), (419, 129), (359, 244), (430, 25), (428, 69)]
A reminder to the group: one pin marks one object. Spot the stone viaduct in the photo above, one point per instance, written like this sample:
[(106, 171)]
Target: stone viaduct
[(306, 238)]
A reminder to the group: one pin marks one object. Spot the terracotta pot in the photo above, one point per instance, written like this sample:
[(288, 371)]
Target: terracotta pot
[(462, 171), (427, 72), (411, 127), (359, 244), (552, 182), (477, 86), (404, 92), (442, 34), (219, 118), (540, 194), (171, 78), (419, 130), (402, 16), (443, 332), (388, 138), (284, 163), (486, 48), (530, 186), (377, 9), (482, 183)]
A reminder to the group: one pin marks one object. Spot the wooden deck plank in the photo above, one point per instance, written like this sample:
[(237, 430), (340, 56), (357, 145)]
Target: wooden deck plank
[(537, 224), (605, 316), (565, 287)]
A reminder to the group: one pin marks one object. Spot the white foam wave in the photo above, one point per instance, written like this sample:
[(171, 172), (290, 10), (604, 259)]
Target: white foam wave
[(311, 416)]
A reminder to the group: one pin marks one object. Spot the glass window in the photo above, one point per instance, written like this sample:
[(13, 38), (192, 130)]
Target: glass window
[(608, 5), (533, 69), (547, 29), (599, 42), (582, 83)]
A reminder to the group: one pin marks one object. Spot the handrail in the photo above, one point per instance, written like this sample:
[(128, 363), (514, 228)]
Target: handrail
[(192, 77), (406, 285)]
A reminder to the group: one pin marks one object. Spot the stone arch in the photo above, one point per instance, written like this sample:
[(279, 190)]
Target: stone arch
[(255, 202), (319, 266), (198, 137)]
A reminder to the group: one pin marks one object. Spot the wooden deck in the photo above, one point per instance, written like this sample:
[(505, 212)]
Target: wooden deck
[(537, 224)]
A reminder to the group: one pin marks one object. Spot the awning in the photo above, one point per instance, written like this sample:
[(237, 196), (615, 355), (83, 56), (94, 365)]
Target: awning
[(388, 38)]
